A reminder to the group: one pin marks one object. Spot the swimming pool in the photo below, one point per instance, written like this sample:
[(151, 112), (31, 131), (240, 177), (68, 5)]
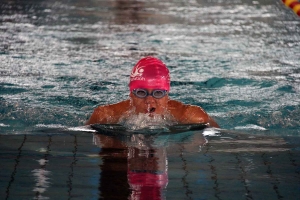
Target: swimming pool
[(238, 59)]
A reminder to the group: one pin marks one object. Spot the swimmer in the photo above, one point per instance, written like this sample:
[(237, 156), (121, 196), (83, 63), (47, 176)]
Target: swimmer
[(149, 88)]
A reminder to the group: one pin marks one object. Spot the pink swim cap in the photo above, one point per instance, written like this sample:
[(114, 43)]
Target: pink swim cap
[(150, 73)]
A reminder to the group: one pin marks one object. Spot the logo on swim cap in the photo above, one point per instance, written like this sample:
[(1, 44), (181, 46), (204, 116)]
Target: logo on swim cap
[(137, 73), (150, 73)]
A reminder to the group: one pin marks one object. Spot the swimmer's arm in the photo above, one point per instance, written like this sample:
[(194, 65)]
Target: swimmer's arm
[(195, 114), (213, 123), (99, 116), (109, 114)]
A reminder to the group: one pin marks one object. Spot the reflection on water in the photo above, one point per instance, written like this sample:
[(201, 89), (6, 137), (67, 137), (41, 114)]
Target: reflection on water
[(147, 172), (17, 161), (136, 172), (41, 175), (42, 181), (183, 165), (137, 165), (113, 168)]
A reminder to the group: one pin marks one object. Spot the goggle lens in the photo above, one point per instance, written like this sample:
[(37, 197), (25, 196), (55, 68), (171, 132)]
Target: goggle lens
[(141, 93)]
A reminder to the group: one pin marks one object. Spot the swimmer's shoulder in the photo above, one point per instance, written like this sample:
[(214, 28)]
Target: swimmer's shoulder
[(109, 113), (121, 107), (174, 104), (177, 105), (176, 108), (186, 113), (116, 107)]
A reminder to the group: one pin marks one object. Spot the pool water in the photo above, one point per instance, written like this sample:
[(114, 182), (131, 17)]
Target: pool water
[(237, 59)]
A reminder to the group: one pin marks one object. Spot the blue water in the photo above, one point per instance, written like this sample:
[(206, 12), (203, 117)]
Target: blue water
[(238, 59)]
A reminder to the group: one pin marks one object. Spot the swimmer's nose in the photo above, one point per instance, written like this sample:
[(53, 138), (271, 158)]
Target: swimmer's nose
[(150, 99)]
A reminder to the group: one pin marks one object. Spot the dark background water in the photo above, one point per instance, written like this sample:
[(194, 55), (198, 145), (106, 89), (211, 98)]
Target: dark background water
[(238, 59)]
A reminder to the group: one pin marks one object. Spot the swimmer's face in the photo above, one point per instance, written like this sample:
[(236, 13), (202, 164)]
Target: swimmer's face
[(149, 104)]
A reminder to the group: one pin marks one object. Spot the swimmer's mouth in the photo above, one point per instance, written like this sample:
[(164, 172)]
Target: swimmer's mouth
[(151, 110)]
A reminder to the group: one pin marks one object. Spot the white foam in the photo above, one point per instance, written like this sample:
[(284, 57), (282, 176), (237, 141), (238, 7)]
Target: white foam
[(250, 126), (78, 128), (211, 132), (82, 128), (50, 126), (141, 121), (4, 125)]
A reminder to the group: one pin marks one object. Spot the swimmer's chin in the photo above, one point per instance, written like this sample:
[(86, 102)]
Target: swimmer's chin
[(151, 114)]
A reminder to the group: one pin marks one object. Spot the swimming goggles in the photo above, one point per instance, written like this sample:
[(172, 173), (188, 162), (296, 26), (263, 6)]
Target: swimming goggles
[(142, 93)]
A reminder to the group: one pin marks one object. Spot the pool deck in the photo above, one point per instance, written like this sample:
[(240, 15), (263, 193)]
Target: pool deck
[(70, 166)]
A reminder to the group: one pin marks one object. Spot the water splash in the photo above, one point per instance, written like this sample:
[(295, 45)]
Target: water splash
[(143, 121), (250, 126)]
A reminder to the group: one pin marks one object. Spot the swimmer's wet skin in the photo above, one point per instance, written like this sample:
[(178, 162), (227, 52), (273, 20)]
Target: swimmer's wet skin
[(149, 88)]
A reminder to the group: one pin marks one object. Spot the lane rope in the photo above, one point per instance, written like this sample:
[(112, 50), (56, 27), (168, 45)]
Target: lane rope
[(293, 4)]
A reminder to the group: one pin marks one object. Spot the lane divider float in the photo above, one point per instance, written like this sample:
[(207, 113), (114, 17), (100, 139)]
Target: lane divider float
[(294, 5)]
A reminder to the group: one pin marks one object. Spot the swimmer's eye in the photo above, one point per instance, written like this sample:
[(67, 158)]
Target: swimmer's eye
[(158, 93), (142, 93)]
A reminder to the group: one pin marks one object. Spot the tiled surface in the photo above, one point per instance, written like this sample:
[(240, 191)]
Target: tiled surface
[(71, 166)]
